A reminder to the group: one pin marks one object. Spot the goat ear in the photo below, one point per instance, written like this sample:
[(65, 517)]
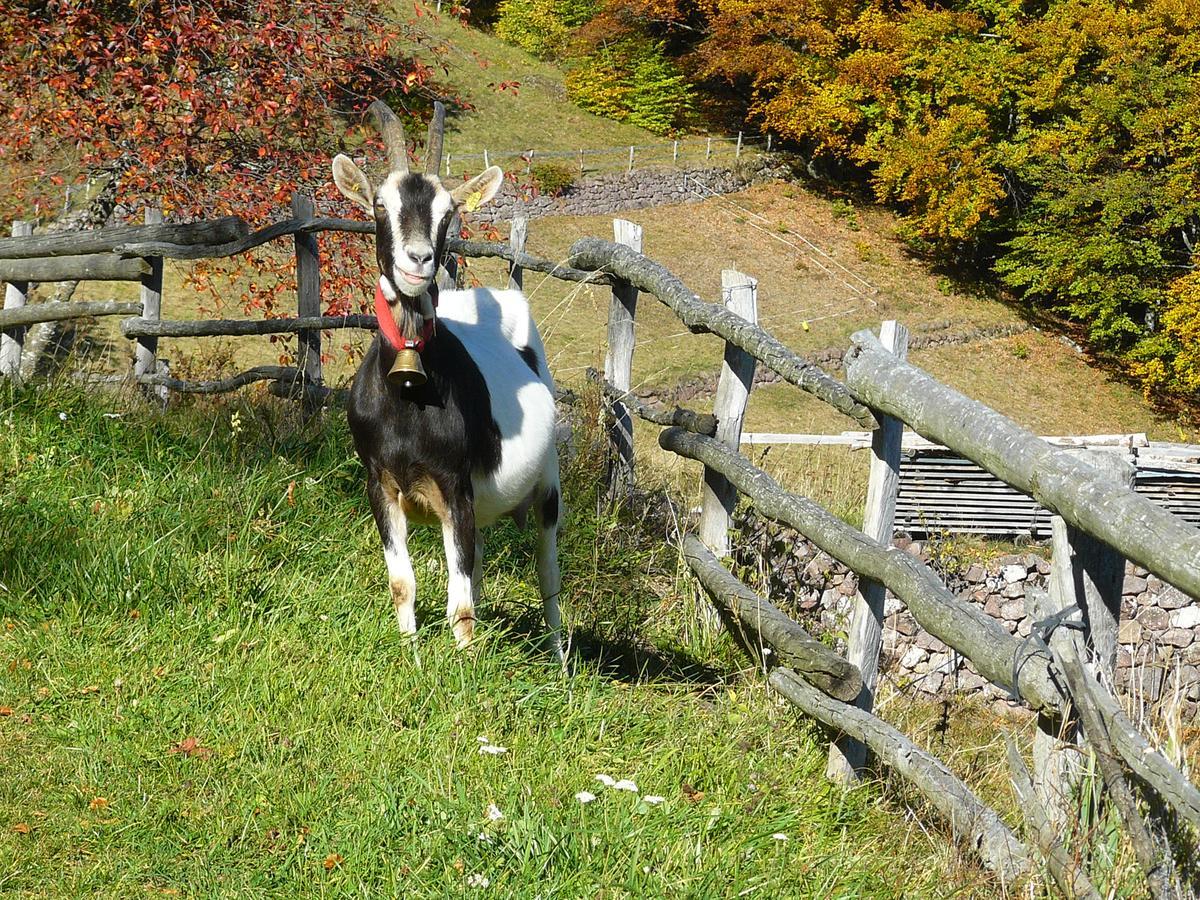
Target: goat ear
[(479, 190), (352, 182)]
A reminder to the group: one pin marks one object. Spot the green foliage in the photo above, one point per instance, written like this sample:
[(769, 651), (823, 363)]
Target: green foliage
[(552, 177), (632, 81), (542, 27)]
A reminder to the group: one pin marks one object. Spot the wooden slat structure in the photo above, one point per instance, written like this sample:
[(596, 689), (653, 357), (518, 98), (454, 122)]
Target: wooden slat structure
[(941, 491)]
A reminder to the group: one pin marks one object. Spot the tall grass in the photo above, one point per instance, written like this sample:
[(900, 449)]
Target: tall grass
[(205, 693)]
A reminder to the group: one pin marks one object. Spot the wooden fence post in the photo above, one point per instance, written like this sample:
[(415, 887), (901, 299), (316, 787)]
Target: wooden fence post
[(308, 303), (1085, 571), (618, 364), (486, 163), (675, 154), (529, 163), (739, 293), (708, 149), (516, 242), (738, 153), (447, 165), (630, 169), (145, 360), (768, 142), (581, 161), (16, 293), (847, 756)]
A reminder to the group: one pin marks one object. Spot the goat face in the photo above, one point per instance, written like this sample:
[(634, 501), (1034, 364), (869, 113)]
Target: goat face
[(412, 211)]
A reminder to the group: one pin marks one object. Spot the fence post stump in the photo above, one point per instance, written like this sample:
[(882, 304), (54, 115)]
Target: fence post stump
[(618, 365), (847, 756), (738, 153), (768, 142), (146, 353), (1085, 571), (708, 149), (486, 163), (675, 154), (630, 169), (529, 163), (308, 303), (739, 293), (581, 161), (16, 293), (516, 242)]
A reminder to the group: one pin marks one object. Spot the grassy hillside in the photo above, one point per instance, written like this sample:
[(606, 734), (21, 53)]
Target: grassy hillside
[(204, 693)]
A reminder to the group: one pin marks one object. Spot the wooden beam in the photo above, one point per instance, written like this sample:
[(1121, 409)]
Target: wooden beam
[(1134, 526), (847, 757), (766, 634), (90, 267), (654, 278), (140, 327), (106, 240), (689, 420), (975, 825), (991, 649), (60, 312)]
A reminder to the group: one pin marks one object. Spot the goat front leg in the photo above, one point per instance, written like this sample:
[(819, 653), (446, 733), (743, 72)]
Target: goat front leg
[(549, 579), (459, 538), (393, 530)]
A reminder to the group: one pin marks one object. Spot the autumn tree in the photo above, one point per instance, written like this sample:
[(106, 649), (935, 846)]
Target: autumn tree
[(224, 107)]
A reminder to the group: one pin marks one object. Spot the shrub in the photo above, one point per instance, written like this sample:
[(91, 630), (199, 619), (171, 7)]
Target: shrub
[(552, 177), (632, 81), (542, 27)]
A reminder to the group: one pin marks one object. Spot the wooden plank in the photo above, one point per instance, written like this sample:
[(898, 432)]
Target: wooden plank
[(740, 295), (89, 267), (308, 300), (618, 363), (146, 352), (16, 295), (516, 241), (106, 240), (847, 757)]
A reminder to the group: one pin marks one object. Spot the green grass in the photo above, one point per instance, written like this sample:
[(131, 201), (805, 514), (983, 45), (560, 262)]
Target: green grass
[(213, 574)]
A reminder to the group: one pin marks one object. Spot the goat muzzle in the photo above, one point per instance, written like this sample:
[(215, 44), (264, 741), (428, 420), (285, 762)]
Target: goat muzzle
[(407, 370)]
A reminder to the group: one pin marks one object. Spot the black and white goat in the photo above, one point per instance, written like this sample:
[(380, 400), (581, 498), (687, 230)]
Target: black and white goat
[(474, 442)]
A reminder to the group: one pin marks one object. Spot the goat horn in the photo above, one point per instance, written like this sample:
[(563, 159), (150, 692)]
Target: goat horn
[(393, 136), (433, 145)]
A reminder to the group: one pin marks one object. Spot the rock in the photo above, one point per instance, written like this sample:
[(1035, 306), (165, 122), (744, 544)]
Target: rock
[(849, 586), (931, 683), (1025, 627), (940, 662), (913, 658), (1014, 573), (1014, 610), (1192, 654), (1153, 583), (1011, 559), (915, 549), (1171, 598), (968, 681), (976, 573), (1133, 585), (1016, 589), (1153, 618), (906, 624), (1187, 617), (992, 606), (1124, 659), (927, 641), (1130, 632), (1178, 637), (829, 598), (1146, 599), (892, 605), (1043, 566)]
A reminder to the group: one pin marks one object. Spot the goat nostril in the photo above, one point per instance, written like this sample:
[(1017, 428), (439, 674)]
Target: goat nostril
[(421, 258)]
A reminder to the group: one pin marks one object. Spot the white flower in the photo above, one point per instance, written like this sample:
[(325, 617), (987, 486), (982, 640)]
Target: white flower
[(492, 749), (653, 799), (477, 881), (605, 780), (62, 417), (483, 837), (585, 796), (779, 836), (484, 739), (625, 785), (493, 812)]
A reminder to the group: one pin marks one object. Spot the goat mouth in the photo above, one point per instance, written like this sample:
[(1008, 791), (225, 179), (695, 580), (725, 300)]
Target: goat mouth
[(412, 279)]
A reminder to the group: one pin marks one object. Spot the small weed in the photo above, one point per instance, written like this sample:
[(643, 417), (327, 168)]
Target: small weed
[(1020, 350), (782, 229), (945, 285), (844, 211)]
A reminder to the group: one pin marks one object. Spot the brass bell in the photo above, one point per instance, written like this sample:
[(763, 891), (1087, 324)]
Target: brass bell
[(407, 370)]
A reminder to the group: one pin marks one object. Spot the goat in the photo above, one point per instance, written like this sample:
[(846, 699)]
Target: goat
[(468, 437)]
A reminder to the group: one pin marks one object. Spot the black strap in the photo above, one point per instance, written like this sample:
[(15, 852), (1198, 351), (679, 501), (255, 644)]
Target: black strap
[(1039, 634)]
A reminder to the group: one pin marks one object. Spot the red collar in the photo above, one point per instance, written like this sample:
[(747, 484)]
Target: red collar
[(389, 330)]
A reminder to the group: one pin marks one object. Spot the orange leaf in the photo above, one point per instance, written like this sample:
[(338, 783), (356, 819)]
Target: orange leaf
[(333, 860), (5, 710), (189, 746), (22, 828), (98, 803)]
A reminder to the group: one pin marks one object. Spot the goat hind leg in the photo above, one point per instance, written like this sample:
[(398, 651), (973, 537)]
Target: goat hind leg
[(549, 578)]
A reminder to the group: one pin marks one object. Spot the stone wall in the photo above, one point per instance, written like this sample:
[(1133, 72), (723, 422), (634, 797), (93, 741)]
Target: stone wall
[(621, 191), (1159, 639)]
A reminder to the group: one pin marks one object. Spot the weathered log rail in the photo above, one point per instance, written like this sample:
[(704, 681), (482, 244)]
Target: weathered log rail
[(878, 385)]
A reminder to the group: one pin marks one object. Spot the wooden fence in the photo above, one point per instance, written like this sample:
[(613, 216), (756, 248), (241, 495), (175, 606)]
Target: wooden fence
[(1099, 521)]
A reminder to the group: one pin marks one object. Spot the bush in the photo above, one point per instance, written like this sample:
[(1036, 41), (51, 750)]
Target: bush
[(552, 178), (542, 27), (632, 81)]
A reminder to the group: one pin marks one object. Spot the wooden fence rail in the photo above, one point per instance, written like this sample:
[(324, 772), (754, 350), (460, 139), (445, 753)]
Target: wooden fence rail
[(881, 391)]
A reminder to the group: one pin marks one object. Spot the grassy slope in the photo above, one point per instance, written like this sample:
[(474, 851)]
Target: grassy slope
[(162, 581)]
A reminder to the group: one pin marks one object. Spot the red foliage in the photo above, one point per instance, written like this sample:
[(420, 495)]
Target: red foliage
[(229, 106)]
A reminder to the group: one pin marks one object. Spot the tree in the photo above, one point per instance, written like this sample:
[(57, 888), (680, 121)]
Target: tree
[(229, 106)]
